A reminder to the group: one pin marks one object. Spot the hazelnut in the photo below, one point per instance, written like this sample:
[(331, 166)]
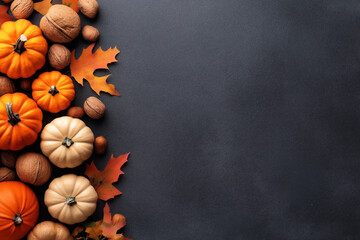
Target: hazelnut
[(8, 158), (100, 145), (94, 108), (22, 8), (25, 84), (59, 56), (89, 8), (6, 85), (33, 168), (76, 112), (90, 33), (7, 174), (61, 24)]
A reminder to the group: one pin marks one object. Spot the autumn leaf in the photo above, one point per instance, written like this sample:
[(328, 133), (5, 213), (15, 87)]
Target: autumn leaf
[(71, 3), (94, 229), (4, 16), (84, 67), (102, 181), (110, 225), (42, 6)]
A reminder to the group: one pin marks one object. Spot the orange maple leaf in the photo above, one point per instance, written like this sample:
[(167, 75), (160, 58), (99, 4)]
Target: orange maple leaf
[(87, 63), (102, 181), (4, 16), (42, 6), (110, 225), (71, 3)]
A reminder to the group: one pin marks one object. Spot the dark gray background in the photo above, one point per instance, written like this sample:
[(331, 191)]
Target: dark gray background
[(242, 117)]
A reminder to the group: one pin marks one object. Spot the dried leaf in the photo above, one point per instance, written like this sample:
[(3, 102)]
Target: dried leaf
[(42, 6), (102, 181), (85, 66), (4, 16), (94, 230), (110, 225), (77, 231), (71, 3)]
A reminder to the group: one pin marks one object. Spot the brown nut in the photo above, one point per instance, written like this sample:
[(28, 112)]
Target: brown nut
[(8, 158), (94, 108), (25, 84), (59, 56), (7, 174), (90, 33), (100, 145), (6, 85), (89, 8), (61, 24), (22, 8), (33, 168), (76, 112)]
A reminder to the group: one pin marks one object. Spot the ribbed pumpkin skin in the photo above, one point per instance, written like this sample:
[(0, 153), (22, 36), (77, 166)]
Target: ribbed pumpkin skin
[(60, 100), (24, 65), (24, 132), (17, 198)]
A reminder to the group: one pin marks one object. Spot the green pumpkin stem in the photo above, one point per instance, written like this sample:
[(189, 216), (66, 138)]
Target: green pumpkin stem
[(53, 90), (70, 201), (14, 118), (67, 142), (17, 220), (19, 46)]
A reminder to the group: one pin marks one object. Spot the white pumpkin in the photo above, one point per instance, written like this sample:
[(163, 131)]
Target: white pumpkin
[(71, 199), (67, 142)]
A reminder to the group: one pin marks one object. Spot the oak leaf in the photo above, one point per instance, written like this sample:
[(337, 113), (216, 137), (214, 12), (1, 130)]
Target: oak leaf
[(94, 229), (110, 225), (4, 16), (71, 3), (102, 181), (43, 6), (85, 66)]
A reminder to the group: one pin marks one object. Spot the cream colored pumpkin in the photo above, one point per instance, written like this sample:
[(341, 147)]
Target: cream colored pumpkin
[(50, 231), (71, 199), (67, 142)]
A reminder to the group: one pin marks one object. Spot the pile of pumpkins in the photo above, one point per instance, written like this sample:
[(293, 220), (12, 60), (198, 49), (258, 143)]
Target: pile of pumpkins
[(66, 142)]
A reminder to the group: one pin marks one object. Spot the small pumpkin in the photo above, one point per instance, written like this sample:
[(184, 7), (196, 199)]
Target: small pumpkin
[(48, 230), (71, 199), (67, 142), (20, 121), (53, 91), (22, 49), (19, 210)]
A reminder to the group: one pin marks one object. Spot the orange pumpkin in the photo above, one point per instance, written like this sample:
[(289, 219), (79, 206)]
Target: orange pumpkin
[(20, 121), (53, 91), (22, 49), (19, 210)]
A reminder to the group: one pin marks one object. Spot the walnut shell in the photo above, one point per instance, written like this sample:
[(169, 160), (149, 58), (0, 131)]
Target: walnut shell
[(22, 8), (76, 112), (8, 158), (33, 168), (89, 8), (100, 145), (7, 174), (61, 24), (94, 108), (59, 56), (25, 84), (90, 33), (6, 85)]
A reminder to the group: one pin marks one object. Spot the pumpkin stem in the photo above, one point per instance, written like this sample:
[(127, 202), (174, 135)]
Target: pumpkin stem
[(70, 201), (17, 220), (53, 90), (19, 46), (14, 118), (67, 142)]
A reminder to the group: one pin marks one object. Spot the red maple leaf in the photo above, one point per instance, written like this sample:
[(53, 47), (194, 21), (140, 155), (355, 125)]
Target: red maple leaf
[(102, 181)]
